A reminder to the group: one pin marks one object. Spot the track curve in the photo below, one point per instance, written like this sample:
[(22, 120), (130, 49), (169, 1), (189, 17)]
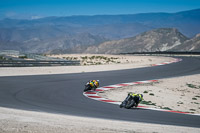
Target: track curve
[(63, 93)]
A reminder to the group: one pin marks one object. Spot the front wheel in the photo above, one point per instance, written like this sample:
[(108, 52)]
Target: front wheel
[(121, 105), (87, 88)]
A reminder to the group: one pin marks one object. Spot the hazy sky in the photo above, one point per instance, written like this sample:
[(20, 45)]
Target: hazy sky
[(42, 8)]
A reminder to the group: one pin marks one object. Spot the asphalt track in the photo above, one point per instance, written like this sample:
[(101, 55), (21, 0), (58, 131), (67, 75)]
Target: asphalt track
[(62, 93)]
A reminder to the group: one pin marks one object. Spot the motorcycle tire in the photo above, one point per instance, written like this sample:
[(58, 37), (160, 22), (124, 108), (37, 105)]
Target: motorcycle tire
[(87, 88), (130, 103)]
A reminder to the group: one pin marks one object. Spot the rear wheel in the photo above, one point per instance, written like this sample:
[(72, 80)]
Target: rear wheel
[(130, 103)]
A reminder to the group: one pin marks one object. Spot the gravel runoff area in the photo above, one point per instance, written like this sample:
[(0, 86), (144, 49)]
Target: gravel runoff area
[(21, 121), (179, 94)]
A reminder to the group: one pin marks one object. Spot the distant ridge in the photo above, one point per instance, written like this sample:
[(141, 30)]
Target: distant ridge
[(67, 33), (163, 39)]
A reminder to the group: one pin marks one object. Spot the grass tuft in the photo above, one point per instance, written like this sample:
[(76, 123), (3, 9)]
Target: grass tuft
[(151, 94), (167, 108), (194, 98), (180, 102), (193, 86), (148, 103)]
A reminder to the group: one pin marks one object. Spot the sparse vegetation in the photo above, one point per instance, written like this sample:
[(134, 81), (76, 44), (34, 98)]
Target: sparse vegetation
[(98, 60), (148, 103), (95, 60), (2, 58), (70, 58), (151, 94), (84, 58), (145, 92), (179, 102), (23, 57), (193, 86), (167, 108), (98, 63), (194, 98)]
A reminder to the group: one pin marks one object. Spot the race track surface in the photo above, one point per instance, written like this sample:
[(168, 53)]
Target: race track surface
[(63, 93)]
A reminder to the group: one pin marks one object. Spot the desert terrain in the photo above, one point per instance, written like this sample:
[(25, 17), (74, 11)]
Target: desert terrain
[(182, 94), (178, 94)]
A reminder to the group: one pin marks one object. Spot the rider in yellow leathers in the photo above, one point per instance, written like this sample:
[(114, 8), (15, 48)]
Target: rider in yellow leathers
[(94, 84)]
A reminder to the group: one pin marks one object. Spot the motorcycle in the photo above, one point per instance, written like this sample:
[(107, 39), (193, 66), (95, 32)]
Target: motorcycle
[(88, 87), (128, 103)]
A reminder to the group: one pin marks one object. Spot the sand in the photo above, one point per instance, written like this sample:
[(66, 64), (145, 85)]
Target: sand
[(20, 121), (179, 94)]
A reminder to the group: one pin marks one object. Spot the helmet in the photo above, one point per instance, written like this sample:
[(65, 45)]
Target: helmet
[(96, 83)]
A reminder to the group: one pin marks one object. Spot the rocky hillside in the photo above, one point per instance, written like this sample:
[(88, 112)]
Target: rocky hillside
[(164, 39), (189, 45), (78, 32), (39, 43)]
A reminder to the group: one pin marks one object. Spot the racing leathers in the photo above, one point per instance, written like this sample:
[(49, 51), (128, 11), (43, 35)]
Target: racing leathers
[(137, 98), (94, 84)]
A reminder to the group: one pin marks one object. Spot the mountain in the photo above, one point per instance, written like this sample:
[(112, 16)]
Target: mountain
[(43, 39), (66, 33), (190, 45), (163, 39)]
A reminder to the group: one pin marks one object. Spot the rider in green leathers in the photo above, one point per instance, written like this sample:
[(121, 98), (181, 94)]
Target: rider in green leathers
[(137, 98)]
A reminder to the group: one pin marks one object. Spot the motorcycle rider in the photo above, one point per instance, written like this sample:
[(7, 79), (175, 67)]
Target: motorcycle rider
[(94, 84), (137, 98)]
